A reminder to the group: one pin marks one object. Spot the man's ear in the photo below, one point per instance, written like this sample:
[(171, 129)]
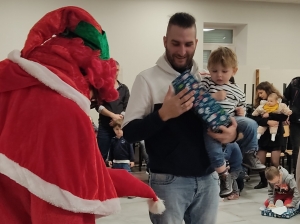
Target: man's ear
[(165, 41)]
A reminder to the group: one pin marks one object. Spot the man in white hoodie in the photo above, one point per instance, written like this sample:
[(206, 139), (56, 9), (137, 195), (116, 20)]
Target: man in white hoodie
[(178, 162)]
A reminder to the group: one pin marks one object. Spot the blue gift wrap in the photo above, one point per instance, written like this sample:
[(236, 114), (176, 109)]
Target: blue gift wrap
[(206, 107), (286, 215)]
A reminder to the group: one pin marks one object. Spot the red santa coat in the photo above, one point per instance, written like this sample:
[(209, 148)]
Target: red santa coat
[(51, 170), (49, 148)]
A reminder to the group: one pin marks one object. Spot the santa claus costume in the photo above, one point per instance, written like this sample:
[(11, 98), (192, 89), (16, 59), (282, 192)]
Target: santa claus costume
[(51, 170)]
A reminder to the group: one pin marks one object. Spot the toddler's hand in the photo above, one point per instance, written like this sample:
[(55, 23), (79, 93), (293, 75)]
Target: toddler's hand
[(219, 96), (271, 205), (240, 111)]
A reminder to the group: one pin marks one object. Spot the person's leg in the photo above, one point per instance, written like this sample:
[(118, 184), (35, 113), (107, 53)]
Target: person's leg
[(235, 189), (204, 207), (297, 176), (248, 127), (260, 131), (261, 154), (249, 143), (275, 157), (273, 132), (295, 142), (288, 200), (216, 156), (104, 137), (233, 154), (177, 193)]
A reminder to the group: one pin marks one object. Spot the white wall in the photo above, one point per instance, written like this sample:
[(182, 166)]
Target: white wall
[(135, 29)]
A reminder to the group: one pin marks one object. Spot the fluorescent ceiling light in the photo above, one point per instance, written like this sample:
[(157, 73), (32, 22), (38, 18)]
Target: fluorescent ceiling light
[(207, 30)]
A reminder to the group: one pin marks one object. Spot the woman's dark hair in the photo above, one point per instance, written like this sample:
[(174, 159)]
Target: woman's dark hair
[(268, 88)]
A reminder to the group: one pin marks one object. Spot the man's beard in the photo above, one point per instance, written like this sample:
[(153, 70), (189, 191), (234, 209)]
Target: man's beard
[(183, 68)]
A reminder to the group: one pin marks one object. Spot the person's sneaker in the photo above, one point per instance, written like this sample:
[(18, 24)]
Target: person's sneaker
[(246, 176), (225, 185), (252, 162), (261, 185), (234, 196)]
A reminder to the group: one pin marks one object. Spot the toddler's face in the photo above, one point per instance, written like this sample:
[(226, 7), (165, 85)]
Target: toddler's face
[(277, 180), (221, 75), (118, 131), (271, 101)]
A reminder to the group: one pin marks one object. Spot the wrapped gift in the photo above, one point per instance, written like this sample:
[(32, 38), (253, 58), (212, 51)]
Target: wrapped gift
[(286, 215), (206, 107)]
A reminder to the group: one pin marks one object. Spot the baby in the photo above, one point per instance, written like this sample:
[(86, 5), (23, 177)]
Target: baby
[(272, 105), (282, 186)]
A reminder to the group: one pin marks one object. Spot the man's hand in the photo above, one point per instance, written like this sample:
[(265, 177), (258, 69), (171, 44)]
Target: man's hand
[(219, 96), (272, 123), (265, 115), (175, 105), (131, 164), (240, 111), (227, 135), (110, 163), (271, 205)]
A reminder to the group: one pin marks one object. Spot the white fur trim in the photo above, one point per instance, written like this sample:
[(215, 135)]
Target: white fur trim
[(156, 207), (50, 79), (53, 194)]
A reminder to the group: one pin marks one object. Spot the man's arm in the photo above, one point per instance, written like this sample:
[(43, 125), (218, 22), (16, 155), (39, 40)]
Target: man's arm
[(140, 122)]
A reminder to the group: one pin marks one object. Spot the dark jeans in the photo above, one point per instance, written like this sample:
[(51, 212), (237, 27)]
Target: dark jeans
[(124, 166), (104, 136), (295, 141)]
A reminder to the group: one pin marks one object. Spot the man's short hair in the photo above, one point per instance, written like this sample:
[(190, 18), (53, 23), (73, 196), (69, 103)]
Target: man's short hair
[(183, 20)]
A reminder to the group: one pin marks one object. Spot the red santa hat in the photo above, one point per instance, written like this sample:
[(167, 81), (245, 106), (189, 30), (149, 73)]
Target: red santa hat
[(128, 185)]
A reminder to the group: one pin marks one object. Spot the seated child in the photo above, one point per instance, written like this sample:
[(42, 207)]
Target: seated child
[(222, 66), (282, 186), (272, 105), (121, 154)]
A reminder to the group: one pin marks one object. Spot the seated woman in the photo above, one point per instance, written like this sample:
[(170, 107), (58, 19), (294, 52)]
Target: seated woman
[(265, 143)]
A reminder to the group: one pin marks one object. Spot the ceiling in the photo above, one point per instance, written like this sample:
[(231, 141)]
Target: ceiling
[(277, 1)]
